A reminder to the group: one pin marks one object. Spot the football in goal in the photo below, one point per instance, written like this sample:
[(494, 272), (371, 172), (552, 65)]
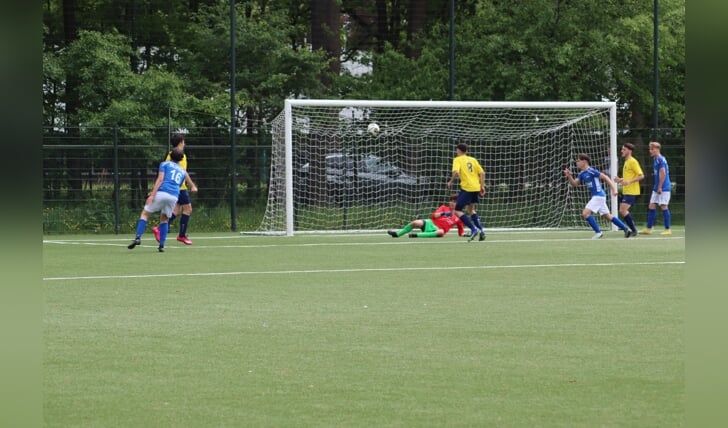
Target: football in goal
[(373, 129), (329, 174)]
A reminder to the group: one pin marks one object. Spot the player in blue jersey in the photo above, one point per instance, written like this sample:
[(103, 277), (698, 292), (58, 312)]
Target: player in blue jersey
[(184, 204), (592, 179), (163, 197), (660, 190)]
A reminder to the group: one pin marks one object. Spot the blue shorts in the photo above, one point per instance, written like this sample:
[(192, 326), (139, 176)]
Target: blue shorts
[(628, 199), (183, 198), (465, 199)]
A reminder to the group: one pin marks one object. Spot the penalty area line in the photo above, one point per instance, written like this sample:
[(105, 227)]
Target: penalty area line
[(338, 271)]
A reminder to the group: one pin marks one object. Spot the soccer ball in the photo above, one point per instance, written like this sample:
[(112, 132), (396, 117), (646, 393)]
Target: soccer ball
[(373, 129)]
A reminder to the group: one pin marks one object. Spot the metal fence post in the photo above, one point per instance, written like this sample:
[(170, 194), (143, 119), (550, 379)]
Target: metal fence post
[(117, 173)]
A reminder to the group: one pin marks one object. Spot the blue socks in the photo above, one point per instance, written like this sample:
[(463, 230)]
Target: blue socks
[(469, 223), (163, 230), (630, 222), (651, 214), (595, 226), (619, 223), (593, 223), (476, 221), (184, 221), (666, 217), (141, 227), (183, 225)]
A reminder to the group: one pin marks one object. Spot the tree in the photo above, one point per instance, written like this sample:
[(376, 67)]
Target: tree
[(111, 94), (272, 65), (536, 50), (543, 50), (325, 32), (631, 51)]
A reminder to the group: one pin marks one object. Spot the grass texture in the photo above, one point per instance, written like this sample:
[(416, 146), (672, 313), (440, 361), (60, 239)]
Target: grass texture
[(539, 328)]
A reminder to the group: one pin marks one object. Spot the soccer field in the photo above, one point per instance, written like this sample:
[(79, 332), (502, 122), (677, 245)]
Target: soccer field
[(537, 328)]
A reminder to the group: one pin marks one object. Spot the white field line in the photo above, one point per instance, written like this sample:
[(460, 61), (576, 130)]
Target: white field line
[(338, 271), (389, 241), (402, 241)]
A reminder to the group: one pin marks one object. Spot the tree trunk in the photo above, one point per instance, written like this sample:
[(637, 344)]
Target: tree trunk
[(381, 36), (325, 30), (415, 25)]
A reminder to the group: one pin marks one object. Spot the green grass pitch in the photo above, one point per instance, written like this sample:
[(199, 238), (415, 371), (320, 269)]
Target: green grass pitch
[(537, 328)]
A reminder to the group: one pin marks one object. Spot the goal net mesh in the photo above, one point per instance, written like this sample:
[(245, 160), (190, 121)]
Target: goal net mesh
[(347, 179)]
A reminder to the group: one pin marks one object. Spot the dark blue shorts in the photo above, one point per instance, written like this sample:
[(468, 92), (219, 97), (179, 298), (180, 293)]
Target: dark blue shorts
[(184, 197), (465, 199), (628, 199)]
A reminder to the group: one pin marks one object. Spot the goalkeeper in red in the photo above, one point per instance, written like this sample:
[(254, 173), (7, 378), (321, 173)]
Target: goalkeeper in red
[(437, 226)]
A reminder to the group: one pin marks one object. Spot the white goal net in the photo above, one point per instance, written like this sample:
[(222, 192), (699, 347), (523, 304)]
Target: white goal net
[(329, 174)]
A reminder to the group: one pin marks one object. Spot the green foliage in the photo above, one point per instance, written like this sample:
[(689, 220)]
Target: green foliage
[(536, 50), (267, 68), (109, 92), (53, 78), (394, 79), (101, 64), (543, 50)]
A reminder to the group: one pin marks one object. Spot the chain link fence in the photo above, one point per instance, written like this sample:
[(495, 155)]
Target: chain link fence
[(95, 179)]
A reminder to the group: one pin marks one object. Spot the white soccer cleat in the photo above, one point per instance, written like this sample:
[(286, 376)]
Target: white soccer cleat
[(597, 235)]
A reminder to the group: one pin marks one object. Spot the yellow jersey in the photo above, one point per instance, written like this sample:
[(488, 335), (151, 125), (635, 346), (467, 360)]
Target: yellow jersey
[(469, 171), (630, 170)]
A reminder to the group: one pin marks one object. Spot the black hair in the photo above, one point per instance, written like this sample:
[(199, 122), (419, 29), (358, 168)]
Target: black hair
[(584, 156), (462, 147), (176, 154), (176, 139), (629, 146)]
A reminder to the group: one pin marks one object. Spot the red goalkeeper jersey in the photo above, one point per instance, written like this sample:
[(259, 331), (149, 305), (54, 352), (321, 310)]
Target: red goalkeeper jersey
[(447, 222)]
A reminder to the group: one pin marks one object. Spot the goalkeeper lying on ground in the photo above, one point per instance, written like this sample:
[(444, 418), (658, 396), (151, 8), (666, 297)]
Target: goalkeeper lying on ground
[(439, 223)]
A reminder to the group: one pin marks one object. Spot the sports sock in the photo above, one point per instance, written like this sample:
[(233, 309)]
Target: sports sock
[(405, 230), (141, 227), (651, 214), (163, 230), (666, 217), (619, 223), (171, 219), (427, 234), (476, 221), (183, 225), (593, 223), (467, 222), (630, 222)]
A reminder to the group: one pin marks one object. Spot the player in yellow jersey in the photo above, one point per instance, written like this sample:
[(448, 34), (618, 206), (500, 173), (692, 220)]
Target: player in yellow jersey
[(631, 176), (472, 187), (184, 204)]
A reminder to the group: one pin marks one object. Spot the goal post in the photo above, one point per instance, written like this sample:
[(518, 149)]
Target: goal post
[(329, 174)]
